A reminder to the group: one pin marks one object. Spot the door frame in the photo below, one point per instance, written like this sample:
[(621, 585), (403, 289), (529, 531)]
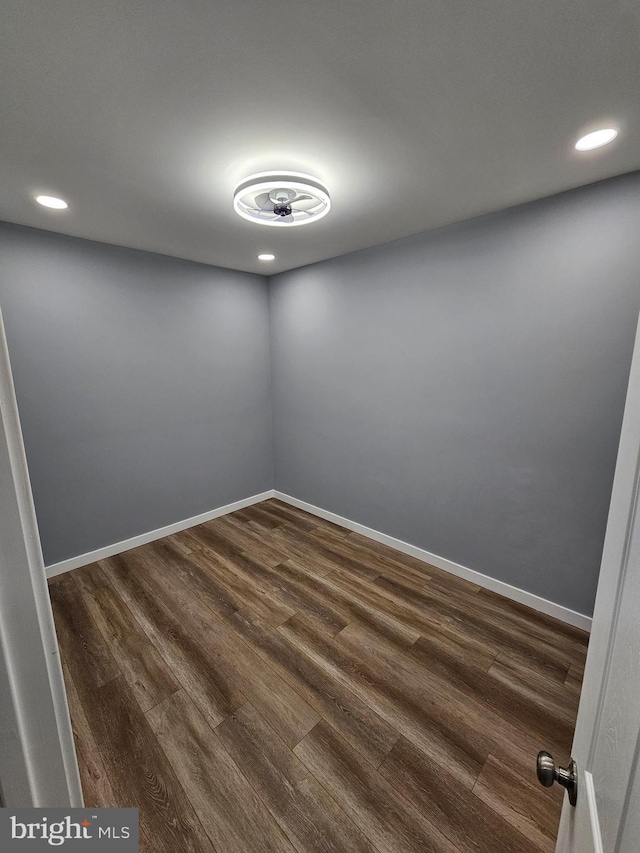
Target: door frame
[(37, 753)]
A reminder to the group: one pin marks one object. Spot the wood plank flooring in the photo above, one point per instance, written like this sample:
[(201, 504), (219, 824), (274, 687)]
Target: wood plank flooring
[(269, 681)]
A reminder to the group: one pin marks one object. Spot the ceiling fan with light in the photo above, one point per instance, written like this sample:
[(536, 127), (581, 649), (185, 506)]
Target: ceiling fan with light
[(281, 199)]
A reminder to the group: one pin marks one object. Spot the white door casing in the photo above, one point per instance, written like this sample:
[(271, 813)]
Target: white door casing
[(38, 764), (606, 745)]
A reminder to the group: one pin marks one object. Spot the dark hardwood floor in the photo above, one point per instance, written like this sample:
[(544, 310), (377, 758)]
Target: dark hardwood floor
[(271, 682)]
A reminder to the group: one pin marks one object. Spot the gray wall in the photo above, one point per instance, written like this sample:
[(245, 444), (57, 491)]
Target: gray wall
[(142, 383), (463, 390)]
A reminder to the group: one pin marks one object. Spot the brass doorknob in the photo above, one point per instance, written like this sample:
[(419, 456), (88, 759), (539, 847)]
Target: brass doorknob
[(548, 773)]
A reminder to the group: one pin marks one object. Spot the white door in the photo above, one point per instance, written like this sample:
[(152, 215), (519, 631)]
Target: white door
[(37, 757), (606, 747)]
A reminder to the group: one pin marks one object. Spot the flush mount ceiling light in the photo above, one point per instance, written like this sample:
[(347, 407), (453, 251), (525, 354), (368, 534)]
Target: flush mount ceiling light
[(596, 139), (266, 256), (281, 199), (52, 202)]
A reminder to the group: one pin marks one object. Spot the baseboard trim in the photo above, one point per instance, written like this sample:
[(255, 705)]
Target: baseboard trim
[(550, 608), (515, 593), (151, 536)]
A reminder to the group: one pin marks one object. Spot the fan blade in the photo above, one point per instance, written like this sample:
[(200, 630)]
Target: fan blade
[(304, 202), (263, 202), (288, 218)]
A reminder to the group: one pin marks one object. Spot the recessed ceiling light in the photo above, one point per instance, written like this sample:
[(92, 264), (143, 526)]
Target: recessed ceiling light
[(51, 201), (281, 199), (596, 139), (266, 256)]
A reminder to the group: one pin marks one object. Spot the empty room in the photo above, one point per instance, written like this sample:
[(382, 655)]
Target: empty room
[(320, 400)]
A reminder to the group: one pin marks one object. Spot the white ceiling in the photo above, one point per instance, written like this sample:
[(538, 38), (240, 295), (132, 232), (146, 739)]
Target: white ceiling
[(144, 114)]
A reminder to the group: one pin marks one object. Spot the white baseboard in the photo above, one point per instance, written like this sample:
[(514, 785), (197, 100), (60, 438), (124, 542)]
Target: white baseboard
[(513, 592), (151, 536), (502, 588)]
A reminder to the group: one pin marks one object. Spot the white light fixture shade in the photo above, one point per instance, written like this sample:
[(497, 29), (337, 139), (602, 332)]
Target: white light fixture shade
[(266, 256), (52, 202), (281, 199), (596, 139)]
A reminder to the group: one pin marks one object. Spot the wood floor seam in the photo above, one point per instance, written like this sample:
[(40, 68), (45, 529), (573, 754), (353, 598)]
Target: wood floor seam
[(119, 660), (329, 793)]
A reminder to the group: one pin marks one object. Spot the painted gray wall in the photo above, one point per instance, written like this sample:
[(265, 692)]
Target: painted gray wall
[(142, 384), (463, 390)]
